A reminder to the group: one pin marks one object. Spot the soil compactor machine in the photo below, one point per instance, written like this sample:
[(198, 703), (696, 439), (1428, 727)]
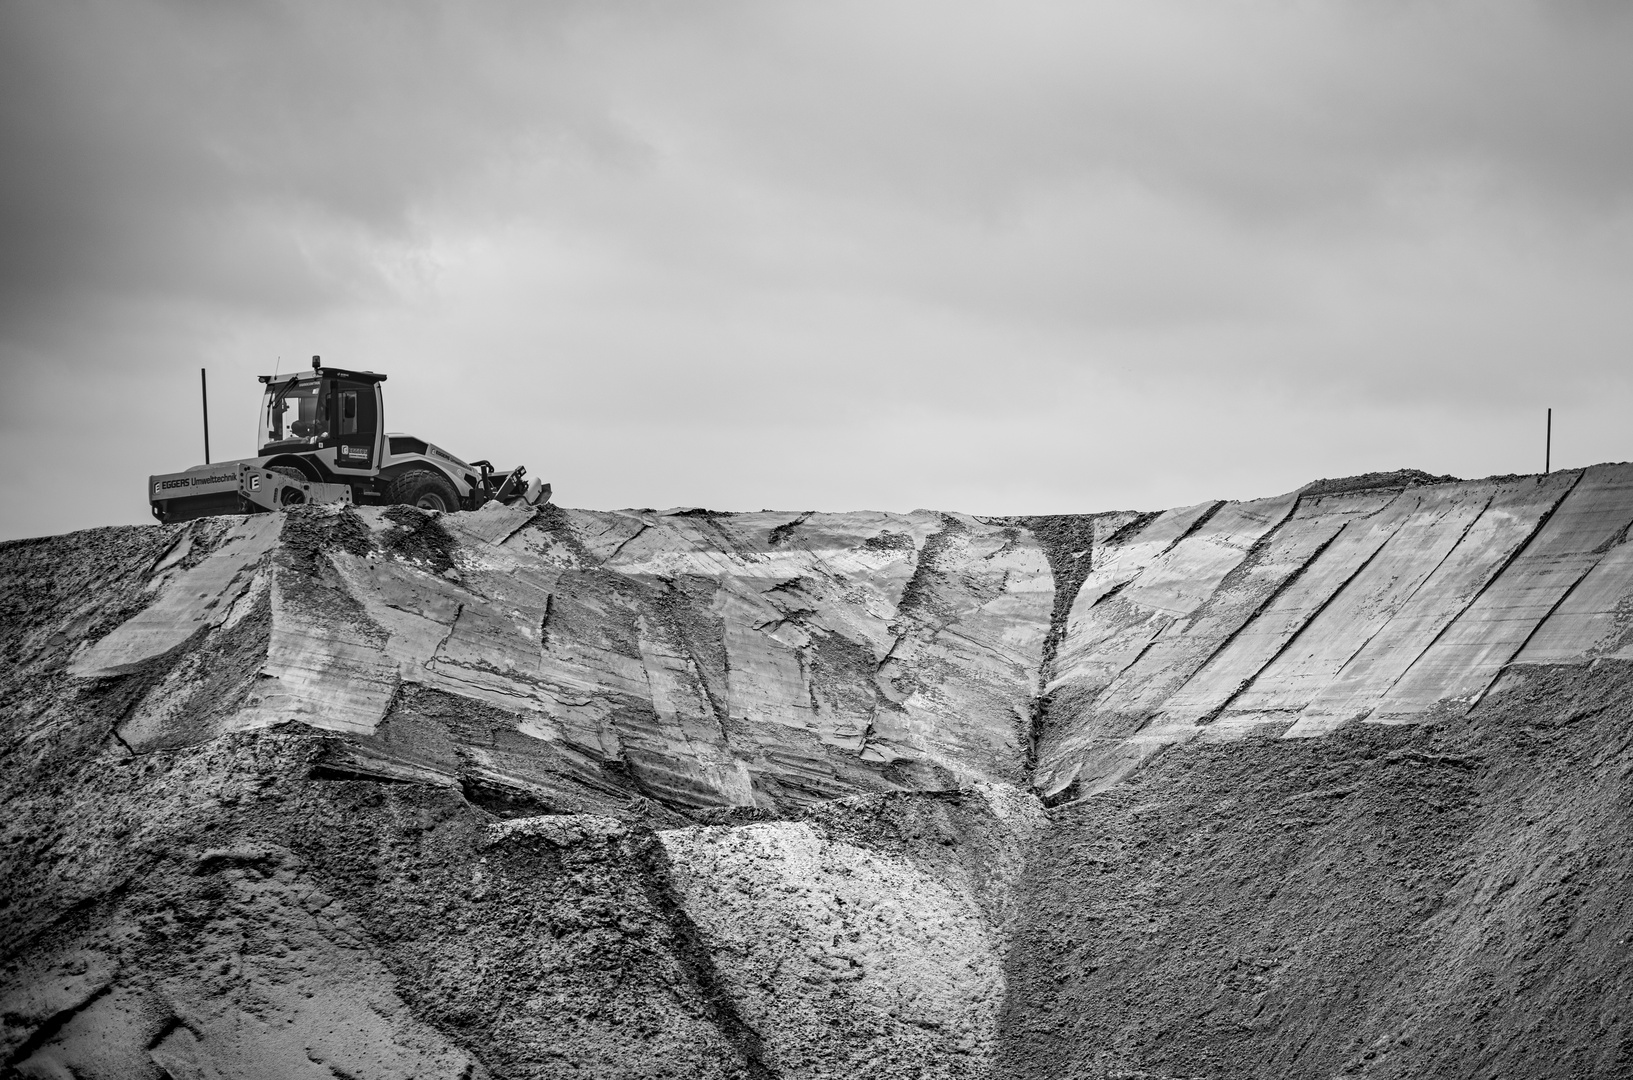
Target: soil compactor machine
[(323, 441)]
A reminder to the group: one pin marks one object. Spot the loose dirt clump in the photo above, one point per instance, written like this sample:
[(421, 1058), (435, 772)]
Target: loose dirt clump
[(1368, 481), (310, 532), (418, 537), (781, 534), (553, 520), (888, 541)]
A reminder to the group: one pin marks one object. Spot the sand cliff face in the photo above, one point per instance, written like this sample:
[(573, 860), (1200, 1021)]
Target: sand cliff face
[(1334, 782), (701, 660), (1296, 615)]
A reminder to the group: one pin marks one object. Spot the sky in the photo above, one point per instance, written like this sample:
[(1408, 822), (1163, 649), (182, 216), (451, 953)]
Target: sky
[(1001, 258)]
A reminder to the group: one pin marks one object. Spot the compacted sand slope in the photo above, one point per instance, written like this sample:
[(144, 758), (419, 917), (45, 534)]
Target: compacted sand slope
[(1333, 783)]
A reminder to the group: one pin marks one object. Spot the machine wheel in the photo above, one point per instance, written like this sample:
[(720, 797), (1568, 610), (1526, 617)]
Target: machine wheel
[(290, 497), (423, 489)]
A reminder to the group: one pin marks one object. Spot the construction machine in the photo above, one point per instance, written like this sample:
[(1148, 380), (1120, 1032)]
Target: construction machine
[(322, 440)]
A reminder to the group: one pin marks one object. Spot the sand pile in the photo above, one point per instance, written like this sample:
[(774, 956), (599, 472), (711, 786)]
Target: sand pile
[(1333, 783)]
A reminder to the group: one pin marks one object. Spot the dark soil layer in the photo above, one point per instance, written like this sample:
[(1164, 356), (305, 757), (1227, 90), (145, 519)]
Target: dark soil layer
[(1067, 541), (1384, 902), (1369, 481), (211, 866), (57, 591), (419, 537), (534, 954), (1068, 544)]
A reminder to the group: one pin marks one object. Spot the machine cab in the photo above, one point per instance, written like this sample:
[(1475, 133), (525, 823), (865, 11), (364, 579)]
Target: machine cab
[(332, 415)]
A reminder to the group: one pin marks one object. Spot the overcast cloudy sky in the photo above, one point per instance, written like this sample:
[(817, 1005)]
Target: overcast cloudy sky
[(1003, 258)]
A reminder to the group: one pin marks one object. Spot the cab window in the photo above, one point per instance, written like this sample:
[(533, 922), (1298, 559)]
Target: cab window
[(348, 412), (355, 411), (293, 411)]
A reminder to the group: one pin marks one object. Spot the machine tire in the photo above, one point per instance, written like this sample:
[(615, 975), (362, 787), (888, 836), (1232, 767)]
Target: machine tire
[(290, 496), (424, 490)]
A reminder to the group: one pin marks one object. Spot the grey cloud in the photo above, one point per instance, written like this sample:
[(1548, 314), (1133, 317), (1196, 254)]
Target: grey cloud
[(255, 154), (998, 235), (1265, 105)]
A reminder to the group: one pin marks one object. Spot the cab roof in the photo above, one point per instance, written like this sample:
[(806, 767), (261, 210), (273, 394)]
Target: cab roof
[(325, 373)]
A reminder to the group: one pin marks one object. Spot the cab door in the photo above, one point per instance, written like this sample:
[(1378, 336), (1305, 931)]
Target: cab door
[(356, 425)]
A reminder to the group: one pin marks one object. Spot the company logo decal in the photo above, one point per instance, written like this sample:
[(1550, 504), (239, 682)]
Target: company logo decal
[(194, 481)]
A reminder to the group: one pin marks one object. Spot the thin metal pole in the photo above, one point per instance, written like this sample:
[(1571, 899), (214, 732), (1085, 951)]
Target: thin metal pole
[(1548, 446), (204, 393)]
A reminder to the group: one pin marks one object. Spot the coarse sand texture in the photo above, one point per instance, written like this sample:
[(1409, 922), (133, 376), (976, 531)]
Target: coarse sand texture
[(1337, 783)]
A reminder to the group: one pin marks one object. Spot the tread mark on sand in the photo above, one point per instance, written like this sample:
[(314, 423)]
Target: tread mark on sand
[(1513, 556), (53, 1024), (1564, 596), (1252, 553), (626, 540), (1264, 605), (1292, 638), (1339, 674), (1190, 530)]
